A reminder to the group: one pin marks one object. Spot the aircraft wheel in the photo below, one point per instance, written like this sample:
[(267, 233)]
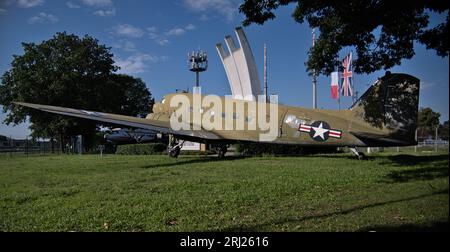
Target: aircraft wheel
[(221, 152), (174, 152), (359, 154)]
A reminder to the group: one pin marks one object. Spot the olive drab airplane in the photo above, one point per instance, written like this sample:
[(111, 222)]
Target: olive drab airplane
[(385, 115)]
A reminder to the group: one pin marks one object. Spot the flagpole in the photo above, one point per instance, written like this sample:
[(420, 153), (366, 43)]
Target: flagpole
[(314, 80), (339, 98), (339, 86)]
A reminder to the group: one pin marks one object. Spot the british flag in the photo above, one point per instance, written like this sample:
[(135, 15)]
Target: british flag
[(347, 75)]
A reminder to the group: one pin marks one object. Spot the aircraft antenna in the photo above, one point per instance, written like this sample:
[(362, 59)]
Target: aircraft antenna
[(198, 62)]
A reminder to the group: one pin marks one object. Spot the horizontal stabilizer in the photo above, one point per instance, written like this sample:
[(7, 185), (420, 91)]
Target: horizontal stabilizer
[(371, 139)]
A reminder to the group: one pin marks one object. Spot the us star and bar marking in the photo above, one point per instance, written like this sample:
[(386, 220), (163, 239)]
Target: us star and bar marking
[(320, 131)]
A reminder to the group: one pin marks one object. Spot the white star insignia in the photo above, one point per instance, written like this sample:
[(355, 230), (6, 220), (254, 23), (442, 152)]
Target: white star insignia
[(319, 131)]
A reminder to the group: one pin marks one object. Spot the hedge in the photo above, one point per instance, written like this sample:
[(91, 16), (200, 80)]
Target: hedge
[(260, 149), (142, 149)]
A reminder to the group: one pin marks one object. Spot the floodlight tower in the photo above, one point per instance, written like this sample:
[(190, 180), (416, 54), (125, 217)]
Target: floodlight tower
[(198, 62)]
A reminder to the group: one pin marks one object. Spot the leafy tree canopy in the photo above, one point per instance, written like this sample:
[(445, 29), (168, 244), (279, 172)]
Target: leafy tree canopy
[(444, 130), (382, 31), (69, 71), (428, 121)]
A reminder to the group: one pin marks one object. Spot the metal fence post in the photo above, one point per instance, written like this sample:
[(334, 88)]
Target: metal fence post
[(435, 140), (415, 137)]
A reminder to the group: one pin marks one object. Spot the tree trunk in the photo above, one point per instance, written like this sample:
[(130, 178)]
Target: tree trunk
[(61, 142)]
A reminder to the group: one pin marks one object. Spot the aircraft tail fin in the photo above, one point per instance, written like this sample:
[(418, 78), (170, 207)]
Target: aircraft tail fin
[(392, 103)]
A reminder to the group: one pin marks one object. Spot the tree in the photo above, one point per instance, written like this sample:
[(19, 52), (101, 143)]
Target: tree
[(131, 96), (383, 32), (428, 121), (72, 72), (444, 130)]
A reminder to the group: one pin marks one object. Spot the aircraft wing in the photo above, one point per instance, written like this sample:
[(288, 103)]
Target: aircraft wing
[(129, 121)]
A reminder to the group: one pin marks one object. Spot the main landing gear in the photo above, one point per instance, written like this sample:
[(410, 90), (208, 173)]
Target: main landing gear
[(359, 154), (174, 147), (221, 151)]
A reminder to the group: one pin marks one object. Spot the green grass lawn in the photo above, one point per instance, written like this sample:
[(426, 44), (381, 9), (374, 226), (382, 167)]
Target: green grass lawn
[(388, 192)]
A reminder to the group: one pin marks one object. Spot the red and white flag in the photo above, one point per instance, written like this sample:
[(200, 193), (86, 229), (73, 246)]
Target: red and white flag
[(335, 85)]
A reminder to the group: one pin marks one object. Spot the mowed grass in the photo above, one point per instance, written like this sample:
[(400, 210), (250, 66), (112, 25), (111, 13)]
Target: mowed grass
[(403, 192)]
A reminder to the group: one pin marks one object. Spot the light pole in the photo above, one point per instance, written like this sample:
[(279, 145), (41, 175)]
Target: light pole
[(198, 62)]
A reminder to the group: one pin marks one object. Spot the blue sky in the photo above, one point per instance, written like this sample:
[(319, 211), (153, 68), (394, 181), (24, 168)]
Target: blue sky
[(151, 39)]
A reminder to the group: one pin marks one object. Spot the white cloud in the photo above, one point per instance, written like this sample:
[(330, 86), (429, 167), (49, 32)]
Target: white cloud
[(204, 18), (29, 3), (2, 11), (162, 39), (43, 18), (190, 27), (105, 8), (180, 31), (152, 29), (125, 45), (226, 8), (137, 63), (175, 32), (426, 85), (128, 30), (156, 37), (106, 13), (98, 3), (72, 5)]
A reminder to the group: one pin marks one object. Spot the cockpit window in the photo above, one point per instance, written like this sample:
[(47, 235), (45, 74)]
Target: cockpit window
[(293, 121)]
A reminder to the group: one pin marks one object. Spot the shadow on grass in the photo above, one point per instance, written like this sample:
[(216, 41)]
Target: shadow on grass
[(423, 227), (409, 160), (259, 227), (398, 160), (434, 167), (347, 156), (427, 173), (196, 160)]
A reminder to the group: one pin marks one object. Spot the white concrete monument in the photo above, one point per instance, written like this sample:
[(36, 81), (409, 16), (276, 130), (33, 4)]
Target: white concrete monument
[(240, 67)]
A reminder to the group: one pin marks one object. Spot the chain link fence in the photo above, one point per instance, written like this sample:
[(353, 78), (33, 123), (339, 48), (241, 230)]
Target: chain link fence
[(28, 146), (428, 146)]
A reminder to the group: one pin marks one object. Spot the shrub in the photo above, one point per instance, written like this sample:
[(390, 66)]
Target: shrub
[(197, 153), (260, 149), (142, 149)]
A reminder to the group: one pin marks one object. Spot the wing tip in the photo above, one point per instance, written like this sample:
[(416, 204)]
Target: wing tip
[(25, 104)]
